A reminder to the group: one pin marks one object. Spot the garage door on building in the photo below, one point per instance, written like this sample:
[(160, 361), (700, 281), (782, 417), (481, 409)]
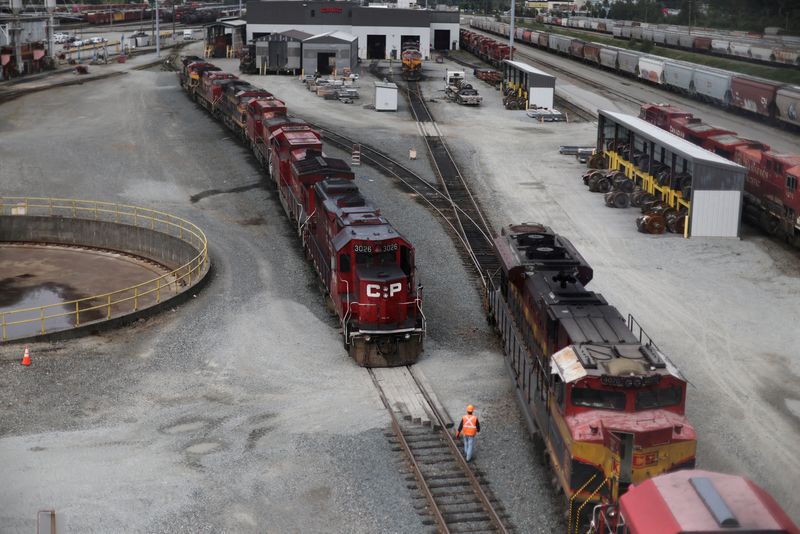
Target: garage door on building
[(376, 47), (441, 39)]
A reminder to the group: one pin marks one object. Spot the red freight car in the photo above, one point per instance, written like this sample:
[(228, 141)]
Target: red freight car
[(693, 501), (661, 114), (756, 96), (591, 53), (576, 48), (702, 43), (544, 40), (526, 36)]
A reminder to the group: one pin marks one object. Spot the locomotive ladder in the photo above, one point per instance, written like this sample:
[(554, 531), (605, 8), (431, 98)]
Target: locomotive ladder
[(454, 495)]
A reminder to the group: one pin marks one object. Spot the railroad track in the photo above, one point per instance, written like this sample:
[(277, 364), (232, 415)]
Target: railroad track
[(456, 500), (471, 223), (620, 95), (436, 198)]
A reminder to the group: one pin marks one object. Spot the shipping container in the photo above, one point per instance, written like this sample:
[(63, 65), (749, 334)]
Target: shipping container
[(591, 52), (608, 58), (651, 69), (679, 76), (787, 104), (628, 62), (756, 96), (713, 85)]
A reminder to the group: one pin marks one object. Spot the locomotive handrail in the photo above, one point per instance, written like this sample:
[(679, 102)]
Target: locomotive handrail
[(184, 275)]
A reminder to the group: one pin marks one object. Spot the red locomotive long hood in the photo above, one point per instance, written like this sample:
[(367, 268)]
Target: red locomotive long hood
[(650, 428)]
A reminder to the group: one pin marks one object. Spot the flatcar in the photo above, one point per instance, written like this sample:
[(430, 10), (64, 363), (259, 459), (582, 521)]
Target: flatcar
[(693, 501), (605, 407), (365, 266)]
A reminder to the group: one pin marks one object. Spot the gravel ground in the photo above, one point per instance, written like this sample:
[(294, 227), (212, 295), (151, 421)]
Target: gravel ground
[(213, 417)]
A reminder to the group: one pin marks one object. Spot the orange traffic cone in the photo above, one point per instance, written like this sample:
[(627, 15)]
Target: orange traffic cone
[(26, 359)]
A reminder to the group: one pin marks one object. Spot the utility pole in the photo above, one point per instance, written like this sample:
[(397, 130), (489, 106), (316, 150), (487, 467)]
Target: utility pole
[(173, 19), (158, 33), (50, 5), (511, 30)]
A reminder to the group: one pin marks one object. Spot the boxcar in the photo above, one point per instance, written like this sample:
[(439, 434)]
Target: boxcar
[(756, 96), (651, 69), (679, 76), (628, 62), (591, 52), (608, 58), (713, 85), (787, 104)]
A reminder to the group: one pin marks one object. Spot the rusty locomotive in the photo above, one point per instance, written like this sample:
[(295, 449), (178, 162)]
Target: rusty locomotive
[(365, 266), (605, 407)]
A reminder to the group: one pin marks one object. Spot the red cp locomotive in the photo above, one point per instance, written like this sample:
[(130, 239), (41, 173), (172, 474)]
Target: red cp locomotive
[(365, 266)]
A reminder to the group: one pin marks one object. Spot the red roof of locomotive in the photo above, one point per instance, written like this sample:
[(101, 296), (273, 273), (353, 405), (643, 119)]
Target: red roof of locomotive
[(695, 501)]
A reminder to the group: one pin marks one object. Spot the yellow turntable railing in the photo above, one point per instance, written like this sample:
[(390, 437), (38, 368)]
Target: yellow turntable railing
[(114, 303)]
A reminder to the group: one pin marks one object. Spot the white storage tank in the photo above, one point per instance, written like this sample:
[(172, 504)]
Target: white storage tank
[(385, 96)]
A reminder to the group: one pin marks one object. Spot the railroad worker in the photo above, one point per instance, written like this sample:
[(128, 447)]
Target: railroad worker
[(469, 427)]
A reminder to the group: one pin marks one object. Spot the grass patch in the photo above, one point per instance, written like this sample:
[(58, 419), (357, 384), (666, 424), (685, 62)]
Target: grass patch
[(777, 74)]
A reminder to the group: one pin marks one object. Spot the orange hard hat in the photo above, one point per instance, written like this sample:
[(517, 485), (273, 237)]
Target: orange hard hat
[(470, 408)]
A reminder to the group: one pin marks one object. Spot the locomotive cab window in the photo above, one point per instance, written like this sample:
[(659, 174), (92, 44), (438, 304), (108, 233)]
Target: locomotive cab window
[(658, 398), (406, 260), (344, 263), (791, 182), (379, 259), (598, 398)]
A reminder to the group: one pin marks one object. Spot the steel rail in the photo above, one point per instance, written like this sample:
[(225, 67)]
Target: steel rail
[(375, 158), (473, 480), (434, 508)]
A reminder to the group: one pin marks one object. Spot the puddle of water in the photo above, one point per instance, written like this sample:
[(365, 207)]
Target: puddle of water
[(29, 298)]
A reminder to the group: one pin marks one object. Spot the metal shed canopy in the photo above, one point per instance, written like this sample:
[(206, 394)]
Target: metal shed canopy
[(527, 68), (674, 143)]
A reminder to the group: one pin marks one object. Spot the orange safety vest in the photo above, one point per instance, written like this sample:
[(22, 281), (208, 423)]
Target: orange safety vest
[(469, 425)]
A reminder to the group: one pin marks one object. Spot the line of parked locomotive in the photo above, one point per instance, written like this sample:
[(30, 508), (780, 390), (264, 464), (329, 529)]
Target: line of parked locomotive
[(365, 266), (763, 98), (771, 198)]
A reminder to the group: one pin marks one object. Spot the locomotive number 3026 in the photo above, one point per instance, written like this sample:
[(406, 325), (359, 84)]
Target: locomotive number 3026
[(368, 248)]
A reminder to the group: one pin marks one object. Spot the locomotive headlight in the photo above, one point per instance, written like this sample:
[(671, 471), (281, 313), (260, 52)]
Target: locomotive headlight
[(407, 336), (367, 338)]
